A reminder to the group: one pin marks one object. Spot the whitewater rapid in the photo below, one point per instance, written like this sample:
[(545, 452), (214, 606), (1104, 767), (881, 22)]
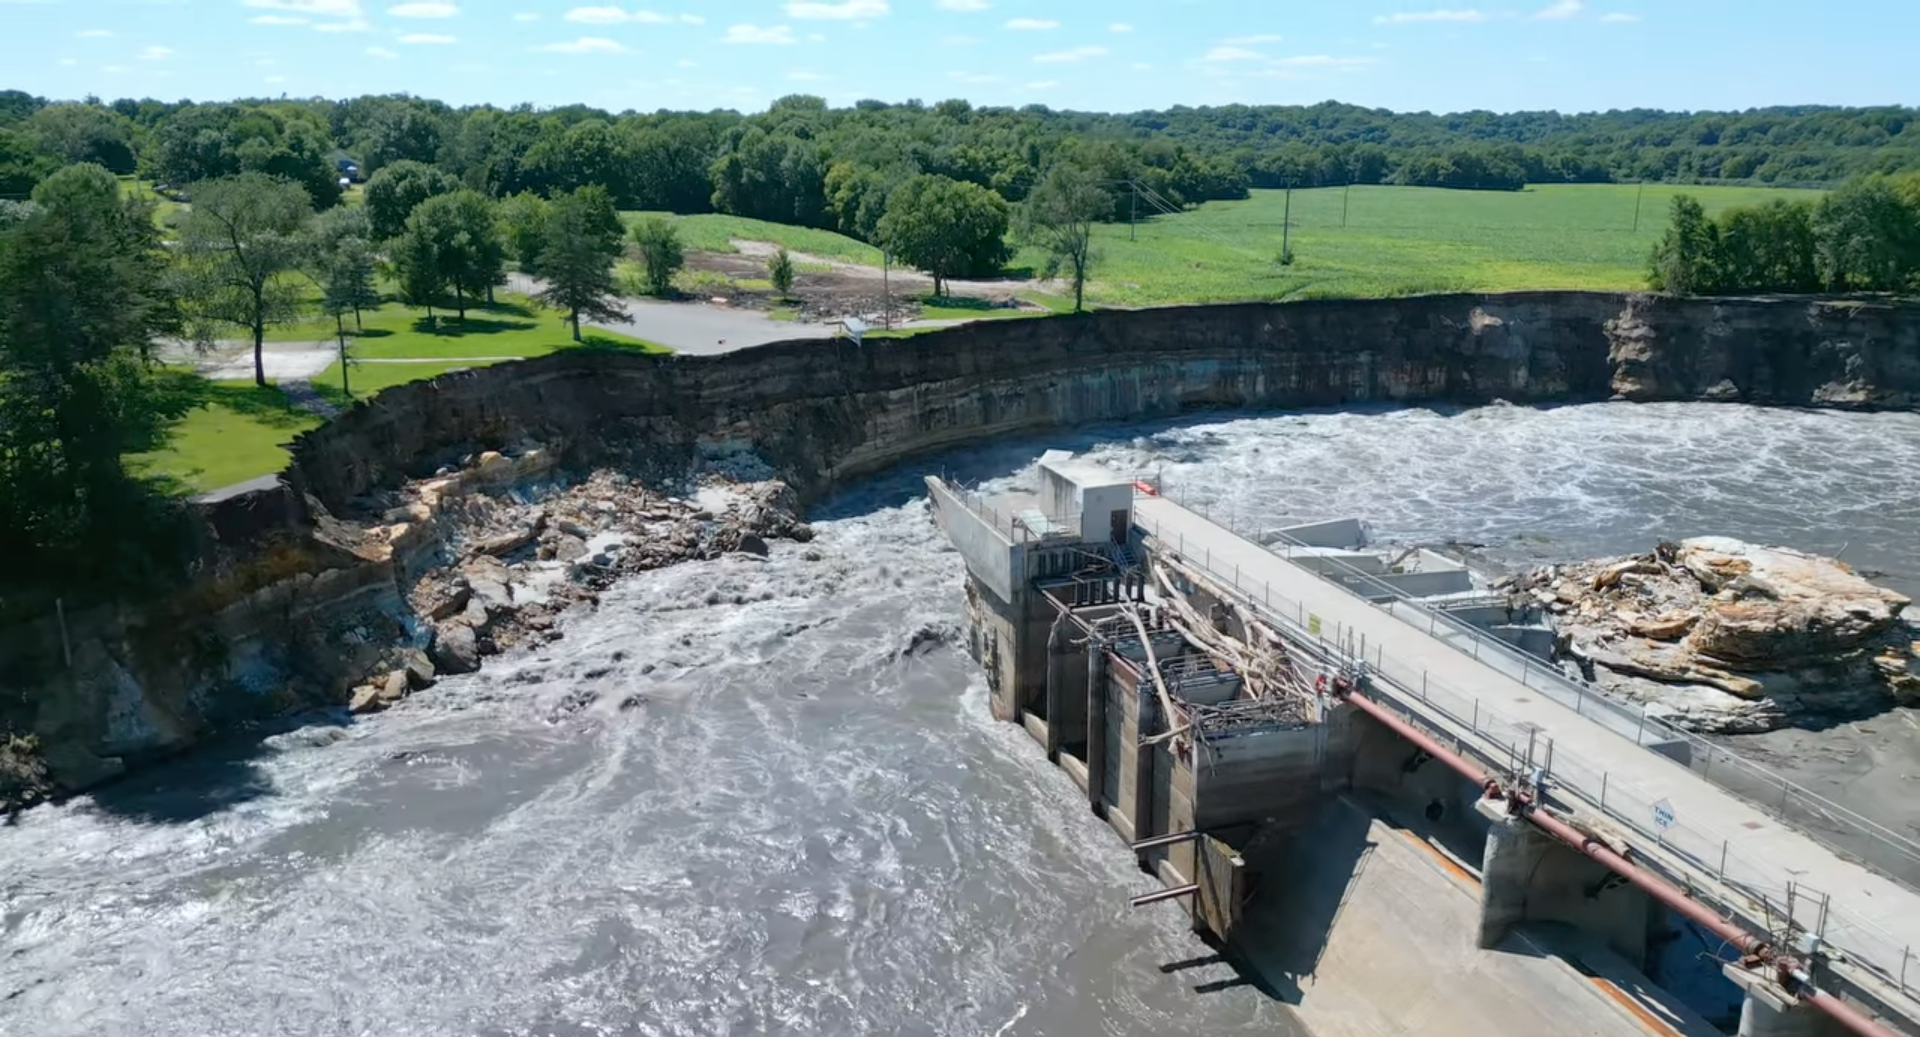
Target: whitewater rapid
[(764, 796)]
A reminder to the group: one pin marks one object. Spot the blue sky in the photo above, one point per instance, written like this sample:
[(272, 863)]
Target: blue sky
[(1106, 55)]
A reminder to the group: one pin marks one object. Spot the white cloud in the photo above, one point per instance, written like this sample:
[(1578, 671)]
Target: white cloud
[(1044, 84), (1032, 24), (1409, 17), (356, 25), (526, 16), (1325, 61), (1252, 41), (1618, 17), (964, 5), (428, 39), (596, 15), (156, 53), (615, 16), (1141, 66), (67, 62), (381, 52), (801, 75), (961, 41), (973, 77), (814, 37), (684, 63), (586, 45), (276, 79), (1560, 10), (1225, 54), (1119, 27), (842, 11), (755, 34), (94, 34), (1071, 55), (316, 8), (278, 19), (425, 9), (116, 69)]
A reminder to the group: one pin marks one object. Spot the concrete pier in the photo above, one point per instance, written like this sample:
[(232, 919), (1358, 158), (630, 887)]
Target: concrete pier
[(1208, 728)]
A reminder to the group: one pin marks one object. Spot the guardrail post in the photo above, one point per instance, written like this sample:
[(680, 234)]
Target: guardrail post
[(1423, 686), (1523, 668), (1476, 716), (1723, 860), (1639, 737), (1905, 953), (1604, 776)]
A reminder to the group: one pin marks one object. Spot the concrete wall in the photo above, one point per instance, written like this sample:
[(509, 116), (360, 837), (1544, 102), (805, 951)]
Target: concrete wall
[(1269, 776), (992, 556)]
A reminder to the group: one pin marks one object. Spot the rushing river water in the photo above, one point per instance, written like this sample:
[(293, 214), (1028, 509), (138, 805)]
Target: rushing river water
[(792, 814)]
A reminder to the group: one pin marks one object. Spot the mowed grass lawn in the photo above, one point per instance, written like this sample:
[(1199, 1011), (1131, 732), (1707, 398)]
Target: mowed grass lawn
[(239, 431), (1397, 241)]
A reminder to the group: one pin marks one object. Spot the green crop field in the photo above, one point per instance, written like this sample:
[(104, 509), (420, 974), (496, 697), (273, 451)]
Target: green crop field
[(1395, 241)]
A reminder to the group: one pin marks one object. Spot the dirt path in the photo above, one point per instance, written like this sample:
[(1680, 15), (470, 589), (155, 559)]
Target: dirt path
[(907, 281)]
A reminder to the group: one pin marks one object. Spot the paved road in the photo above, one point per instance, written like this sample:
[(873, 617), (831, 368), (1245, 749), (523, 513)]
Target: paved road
[(1763, 851), (691, 327)]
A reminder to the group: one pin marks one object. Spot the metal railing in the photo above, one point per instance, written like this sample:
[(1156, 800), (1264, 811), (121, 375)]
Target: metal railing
[(1766, 895), (1841, 829)]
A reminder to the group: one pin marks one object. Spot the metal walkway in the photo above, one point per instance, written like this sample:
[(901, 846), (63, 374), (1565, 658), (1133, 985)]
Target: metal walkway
[(1781, 880)]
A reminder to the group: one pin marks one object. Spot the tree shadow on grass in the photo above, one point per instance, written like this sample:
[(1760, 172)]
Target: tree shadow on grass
[(454, 327), (609, 344), (268, 405)]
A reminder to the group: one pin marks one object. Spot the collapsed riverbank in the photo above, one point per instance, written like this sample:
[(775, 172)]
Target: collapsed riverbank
[(296, 603)]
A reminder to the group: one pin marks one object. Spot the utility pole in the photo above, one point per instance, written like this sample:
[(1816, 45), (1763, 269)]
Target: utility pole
[(1642, 193), (886, 290), (1286, 227), (1346, 198), (1133, 217)]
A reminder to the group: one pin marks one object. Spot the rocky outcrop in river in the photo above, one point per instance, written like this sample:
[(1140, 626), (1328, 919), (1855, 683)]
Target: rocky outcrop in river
[(1723, 636)]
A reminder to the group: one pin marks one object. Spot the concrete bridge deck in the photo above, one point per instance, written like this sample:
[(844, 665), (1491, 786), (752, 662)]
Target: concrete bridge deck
[(1868, 918)]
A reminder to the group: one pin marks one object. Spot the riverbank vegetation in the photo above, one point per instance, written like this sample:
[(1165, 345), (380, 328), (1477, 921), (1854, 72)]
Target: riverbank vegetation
[(1863, 237)]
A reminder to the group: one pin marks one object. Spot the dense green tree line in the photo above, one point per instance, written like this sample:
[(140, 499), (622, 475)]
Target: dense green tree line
[(1864, 236), (803, 162)]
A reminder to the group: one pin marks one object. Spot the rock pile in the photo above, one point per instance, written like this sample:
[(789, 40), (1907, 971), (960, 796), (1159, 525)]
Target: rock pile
[(1723, 636), (494, 571)]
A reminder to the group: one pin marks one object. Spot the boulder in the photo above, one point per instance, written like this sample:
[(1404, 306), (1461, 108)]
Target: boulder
[(366, 699), (753, 544), (419, 670), (394, 688), (456, 649)]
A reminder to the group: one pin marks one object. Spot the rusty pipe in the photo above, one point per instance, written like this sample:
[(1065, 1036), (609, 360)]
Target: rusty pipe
[(1464, 766), (1653, 885), (1856, 1021)]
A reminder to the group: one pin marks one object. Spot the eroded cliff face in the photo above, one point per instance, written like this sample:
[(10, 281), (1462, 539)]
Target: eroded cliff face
[(296, 606), (1819, 353)]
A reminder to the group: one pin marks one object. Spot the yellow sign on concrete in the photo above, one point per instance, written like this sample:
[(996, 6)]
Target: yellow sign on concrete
[(1313, 624)]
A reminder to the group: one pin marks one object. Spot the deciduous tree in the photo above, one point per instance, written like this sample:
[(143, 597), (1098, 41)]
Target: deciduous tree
[(244, 242), (780, 272), (947, 228), (660, 253), (524, 220), (1059, 216), (79, 301), (395, 190), (1684, 261), (583, 241)]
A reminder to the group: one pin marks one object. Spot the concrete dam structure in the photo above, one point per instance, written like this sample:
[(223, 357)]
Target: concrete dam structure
[(1389, 819)]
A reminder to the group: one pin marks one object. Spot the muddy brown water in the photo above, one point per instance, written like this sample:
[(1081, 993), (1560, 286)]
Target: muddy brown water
[(802, 821)]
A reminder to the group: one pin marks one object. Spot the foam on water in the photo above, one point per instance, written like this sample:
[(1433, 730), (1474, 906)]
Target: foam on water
[(736, 799)]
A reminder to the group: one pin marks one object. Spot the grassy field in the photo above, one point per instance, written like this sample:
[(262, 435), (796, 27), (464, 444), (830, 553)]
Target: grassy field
[(713, 232), (514, 327), (1396, 241), (238, 431)]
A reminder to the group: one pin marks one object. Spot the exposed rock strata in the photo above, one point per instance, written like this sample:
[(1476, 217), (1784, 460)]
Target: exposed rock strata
[(1725, 636), (298, 600)]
